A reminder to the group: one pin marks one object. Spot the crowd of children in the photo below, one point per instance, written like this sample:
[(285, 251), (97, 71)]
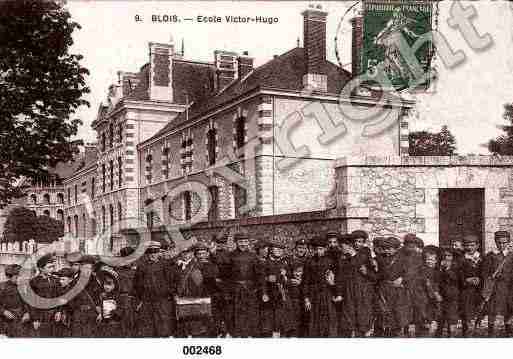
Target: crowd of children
[(334, 285)]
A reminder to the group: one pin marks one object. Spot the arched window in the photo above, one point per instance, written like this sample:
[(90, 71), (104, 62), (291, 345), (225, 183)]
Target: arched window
[(68, 223), (33, 198), (60, 215), (165, 163), (60, 198), (187, 205), (148, 173), (46, 198), (84, 226), (120, 172), (46, 213), (93, 226), (111, 164), (120, 132), (212, 144), (111, 214), (104, 146), (240, 132)]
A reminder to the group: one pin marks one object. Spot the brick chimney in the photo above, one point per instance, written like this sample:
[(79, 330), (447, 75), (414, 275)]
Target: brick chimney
[(357, 45), (314, 43), (161, 70), (128, 81), (245, 64), (226, 68)]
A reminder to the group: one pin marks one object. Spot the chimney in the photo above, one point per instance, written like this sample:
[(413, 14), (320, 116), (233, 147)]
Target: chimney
[(128, 82), (357, 45), (226, 68), (245, 64), (314, 43), (161, 70)]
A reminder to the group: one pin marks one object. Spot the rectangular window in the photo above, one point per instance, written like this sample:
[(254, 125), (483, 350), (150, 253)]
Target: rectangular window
[(103, 178), (120, 172), (92, 187), (149, 219), (239, 200), (111, 163), (69, 198), (187, 205), (213, 212), (104, 147), (76, 194), (120, 133)]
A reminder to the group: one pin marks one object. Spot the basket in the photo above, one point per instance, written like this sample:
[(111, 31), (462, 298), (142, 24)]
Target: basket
[(190, 308)]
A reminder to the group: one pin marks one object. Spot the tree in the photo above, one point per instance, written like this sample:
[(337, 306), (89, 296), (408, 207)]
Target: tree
[(425, 143), (22, 224), (503, 144), (41, 87)]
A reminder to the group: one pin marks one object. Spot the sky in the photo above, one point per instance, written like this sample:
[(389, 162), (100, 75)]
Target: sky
[(468, 99)]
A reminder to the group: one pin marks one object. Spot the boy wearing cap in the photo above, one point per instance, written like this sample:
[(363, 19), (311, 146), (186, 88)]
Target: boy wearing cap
[(432, 278), (300, 254), (353, 277), (210, 273), (110, 324), (333, 251), (470, 268), (45, 286), (153, 289), (497, 276), (220, 256), (392, 292), (13, 309), (127, 303), (244, 275), (276, 313), (66, 277), (320, 291), (450, 292)]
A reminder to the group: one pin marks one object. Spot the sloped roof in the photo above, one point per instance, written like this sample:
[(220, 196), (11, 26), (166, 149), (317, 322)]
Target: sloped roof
[(284, 72)]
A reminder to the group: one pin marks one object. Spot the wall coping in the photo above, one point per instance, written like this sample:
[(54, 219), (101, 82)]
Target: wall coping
[(424, 161)]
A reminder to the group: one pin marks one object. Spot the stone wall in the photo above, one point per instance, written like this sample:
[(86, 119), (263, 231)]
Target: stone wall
[(400, 194)]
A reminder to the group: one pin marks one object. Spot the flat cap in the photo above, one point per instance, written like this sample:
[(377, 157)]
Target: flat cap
[(108, 271), (391, 242), (12, 269), (220, 239), (431, 249), (301, 241), (470, 238), (65, 272), (262, 243), (276, 244), (377, 242), (360, 234), (88, 259), (240, 237), (153, 247), (200, 246), (332, 234), (44, 260), (74, 257), (502, 234), (319, 242), (348, 238)]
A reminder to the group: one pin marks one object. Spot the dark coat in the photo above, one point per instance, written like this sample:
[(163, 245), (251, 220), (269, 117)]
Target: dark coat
[(323, 315), (499, 303), (11, 300), (450, 292), (470, 295), (44, 287)]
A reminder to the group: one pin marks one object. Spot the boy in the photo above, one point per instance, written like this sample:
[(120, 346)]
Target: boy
[(127, 303), (300, 254), (220, 256), (13, 309), (276, 313), (470, 271), (392, 291), (432, 285), (497, 275), (296, 293), (320, 291), (244, 275), (450, 292), (354, 278), (110, 325), (66, 277)]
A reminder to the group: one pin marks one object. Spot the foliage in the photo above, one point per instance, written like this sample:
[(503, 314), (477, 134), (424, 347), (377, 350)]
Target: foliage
[(22, 225), (425, 143), (503, 144)]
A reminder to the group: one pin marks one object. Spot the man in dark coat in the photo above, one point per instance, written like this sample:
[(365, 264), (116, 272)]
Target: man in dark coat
[(300, 254), (45, 286), (320, 291), (392, 292), (244, 275), (276, 310), (154, 291), (13, 309), (450, 292), (127, 301), (355, 280), (333, 251), (497, 268), (220, 256), (470, 276)]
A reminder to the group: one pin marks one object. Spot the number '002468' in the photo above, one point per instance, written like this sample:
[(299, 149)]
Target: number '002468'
[(202, 350)]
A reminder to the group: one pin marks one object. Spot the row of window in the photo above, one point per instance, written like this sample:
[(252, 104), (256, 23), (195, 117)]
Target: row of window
[(74, 227), (187, 151), (111, 139), (111, 174), (46, 199)]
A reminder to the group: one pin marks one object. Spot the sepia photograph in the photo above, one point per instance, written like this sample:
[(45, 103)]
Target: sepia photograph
[(225, 170)]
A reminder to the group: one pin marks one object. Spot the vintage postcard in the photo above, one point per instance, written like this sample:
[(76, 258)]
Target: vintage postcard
[(256, 169)]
